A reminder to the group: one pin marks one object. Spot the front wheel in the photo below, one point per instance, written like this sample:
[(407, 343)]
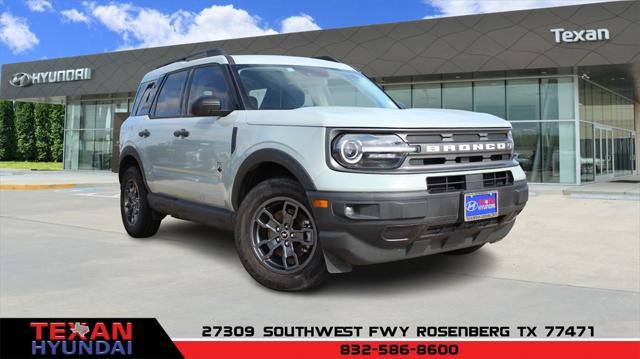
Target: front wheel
[(277, 238)]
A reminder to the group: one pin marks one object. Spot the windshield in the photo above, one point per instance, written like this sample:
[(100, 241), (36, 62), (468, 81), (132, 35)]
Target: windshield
[(276, 87)]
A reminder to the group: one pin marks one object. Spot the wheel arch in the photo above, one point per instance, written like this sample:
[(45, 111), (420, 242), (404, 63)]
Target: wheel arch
[(129, 156), (251, 172)]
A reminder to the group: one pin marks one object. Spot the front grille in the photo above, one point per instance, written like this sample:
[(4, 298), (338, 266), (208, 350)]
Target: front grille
[(397, 232), (457, 149), (497, 179), (444, 184)]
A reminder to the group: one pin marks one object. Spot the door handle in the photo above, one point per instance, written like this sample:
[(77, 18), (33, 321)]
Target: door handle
[(181, 133), (144, 133)]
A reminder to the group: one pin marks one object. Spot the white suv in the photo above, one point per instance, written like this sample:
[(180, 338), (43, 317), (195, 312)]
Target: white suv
[(312, 166)]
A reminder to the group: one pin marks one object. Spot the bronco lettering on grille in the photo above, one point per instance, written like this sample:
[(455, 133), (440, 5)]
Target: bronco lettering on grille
[(468, 147)]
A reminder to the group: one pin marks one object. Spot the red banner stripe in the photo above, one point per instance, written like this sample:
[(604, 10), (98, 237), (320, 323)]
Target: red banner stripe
[(466, 349)]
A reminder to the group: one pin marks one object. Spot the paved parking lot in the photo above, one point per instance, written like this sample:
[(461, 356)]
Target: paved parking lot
[(569, 261)]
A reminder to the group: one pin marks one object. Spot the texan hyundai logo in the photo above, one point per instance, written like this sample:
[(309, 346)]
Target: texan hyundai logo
[(23, 79), (20, 79), (469, 147)]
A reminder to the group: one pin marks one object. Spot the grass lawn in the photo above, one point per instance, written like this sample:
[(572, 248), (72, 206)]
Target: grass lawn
[(31, 165)]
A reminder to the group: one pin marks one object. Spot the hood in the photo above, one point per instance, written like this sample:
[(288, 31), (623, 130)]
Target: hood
[(364, 117)]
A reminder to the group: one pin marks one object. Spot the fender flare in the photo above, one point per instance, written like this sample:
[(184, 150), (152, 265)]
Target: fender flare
[(274, 156), (130, 151)]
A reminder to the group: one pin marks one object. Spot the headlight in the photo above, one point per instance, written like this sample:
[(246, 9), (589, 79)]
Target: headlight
[(365, 151)]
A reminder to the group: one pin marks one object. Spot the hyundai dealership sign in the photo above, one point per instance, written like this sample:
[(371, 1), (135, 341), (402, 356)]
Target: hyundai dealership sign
[(562, 35), (23, 79)]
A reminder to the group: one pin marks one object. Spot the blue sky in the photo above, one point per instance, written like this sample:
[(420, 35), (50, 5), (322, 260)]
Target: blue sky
[(38, 29)]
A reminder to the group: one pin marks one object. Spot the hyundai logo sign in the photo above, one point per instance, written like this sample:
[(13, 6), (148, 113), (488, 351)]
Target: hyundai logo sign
[(23, 79), (20, 79)]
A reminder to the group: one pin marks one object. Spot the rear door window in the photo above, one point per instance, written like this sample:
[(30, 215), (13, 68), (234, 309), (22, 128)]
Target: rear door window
[(170, 95)]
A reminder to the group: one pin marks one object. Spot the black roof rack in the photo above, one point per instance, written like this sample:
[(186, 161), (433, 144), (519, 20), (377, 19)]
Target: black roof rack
[(207, 53), (326, 58)]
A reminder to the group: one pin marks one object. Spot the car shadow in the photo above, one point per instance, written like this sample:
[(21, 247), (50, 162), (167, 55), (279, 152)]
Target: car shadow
[(433, 271), (210, 241)]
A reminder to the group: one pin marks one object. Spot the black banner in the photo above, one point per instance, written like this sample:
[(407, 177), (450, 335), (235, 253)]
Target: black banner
[(85, 337)]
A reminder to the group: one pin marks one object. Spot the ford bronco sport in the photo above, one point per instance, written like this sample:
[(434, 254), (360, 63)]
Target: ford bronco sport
[(312, 166)]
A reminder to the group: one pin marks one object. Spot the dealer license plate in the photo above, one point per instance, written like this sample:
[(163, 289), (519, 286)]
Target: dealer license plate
[(480, 205)]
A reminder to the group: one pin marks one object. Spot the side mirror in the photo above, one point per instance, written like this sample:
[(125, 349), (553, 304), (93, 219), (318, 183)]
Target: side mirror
[(208, 106)]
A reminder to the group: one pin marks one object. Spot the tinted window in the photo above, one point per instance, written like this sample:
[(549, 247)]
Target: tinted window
[(168, 103), (278, 87), (136, 100), (209, 82), (143, 103)]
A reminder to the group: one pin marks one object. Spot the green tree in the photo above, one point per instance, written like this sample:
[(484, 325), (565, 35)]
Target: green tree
[(25, 131), (7, 131), (42, 125), (56, 131)]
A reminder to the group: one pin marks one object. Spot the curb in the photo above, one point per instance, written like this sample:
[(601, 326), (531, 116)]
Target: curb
[(27, 187), (609, 196)]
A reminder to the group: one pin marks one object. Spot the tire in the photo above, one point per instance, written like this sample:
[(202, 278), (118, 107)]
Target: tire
[(463, 251), (145, 221), (292, 260)]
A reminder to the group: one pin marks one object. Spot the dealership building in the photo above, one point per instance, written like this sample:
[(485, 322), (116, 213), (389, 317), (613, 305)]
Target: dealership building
[(567, 78)]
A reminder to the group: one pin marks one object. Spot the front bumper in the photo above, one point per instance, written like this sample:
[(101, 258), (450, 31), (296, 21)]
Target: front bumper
[(391, 226)]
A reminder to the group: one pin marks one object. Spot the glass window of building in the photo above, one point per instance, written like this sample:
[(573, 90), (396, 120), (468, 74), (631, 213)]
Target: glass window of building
[(88, 114), (607, 118), (73, 115), (489, 97), (523, 100), (121, 106), (526, 136), (596, 104), (558, 152), (457, 96), (586, 152), (427, 96), (400, 93), (556, 98), (103, 115)]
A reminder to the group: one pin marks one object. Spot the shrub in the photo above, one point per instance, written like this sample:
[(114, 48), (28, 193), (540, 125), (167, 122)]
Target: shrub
[(42, 120), (25, 131), (7, 131)]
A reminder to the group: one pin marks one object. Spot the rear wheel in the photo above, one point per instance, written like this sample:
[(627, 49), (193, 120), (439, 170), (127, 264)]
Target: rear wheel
[(137, 216), (463, 251), (277, 238)]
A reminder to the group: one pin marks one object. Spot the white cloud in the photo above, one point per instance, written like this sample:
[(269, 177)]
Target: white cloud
[(148, 27), (467, 7), (15, 33), (145, 27), (39, 5), (74, 15), (302, 22)]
